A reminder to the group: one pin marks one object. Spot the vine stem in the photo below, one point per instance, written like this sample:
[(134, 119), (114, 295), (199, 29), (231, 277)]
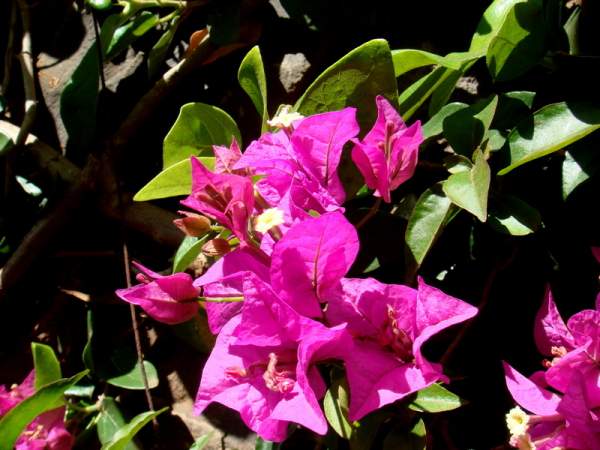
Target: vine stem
[(136, 334), (369, 214)]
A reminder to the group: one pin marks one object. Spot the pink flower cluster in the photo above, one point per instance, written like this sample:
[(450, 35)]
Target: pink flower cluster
[(563, 401), (45, 432), (295, 249)]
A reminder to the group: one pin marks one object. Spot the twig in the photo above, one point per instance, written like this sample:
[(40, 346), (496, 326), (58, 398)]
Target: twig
[(485, 297), (26, 60), (369, 214), (136, 334), (8, 55)]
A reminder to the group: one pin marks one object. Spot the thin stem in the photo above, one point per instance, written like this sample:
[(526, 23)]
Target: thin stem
[(99, 49), (136, 334), (27, 71), (8, 56), (220, 299), (370, 214)]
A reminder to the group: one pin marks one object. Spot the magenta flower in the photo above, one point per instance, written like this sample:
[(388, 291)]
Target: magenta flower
[(263, 365), (554, 421), (226, 158), (574, 346), (45, 432), (311, 259), (166, 298), (388, 154), (390, 324), (225, 279), (227, 198)]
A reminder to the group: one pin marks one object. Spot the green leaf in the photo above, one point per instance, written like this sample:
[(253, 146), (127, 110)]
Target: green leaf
[(87, 355), (580, 163), (513, 216), (354, 80), (512, 108), (444, 91), (201, 442), (79, 101), (335, 405), (47, 398), (413, 439), (46, 365), (457, 163), (417, 93), (550, 129), (171, 182), (261, 444), (571, 28), (469, 190), (84, 389), (188, 251), (111, 420), (100, 5), (126, 433), (467, 128), (430, 215), (6, 143), (489, 25), (434, 399), (519, 43), (126, 371), (158, 52), (126, 34), (434, 126), (406, 60), (252, 79), (198, 127)]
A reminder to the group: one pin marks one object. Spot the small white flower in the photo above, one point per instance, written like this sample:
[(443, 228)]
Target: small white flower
[(285, 118), (269, 218)]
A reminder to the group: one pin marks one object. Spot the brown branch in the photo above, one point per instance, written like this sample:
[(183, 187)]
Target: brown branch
[(8, 55), (27, 71)]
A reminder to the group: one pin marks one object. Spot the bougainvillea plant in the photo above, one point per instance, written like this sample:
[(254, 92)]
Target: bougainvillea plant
[(334, 264)]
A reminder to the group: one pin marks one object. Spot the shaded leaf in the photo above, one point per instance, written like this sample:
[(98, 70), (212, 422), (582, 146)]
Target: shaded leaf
[(467, 128), (126, 433), (261, 444), (430, 215), (125, 371), (434, 126), (512, 108), (469, 190), (580, 163), (126, 34), (444, 91), (198, 127), (47, 398), (434, 399), (513, 216), (335, 406), (6, 143), (551, 128), (110, 420), (413, 439), (171, 182), (519, 43), (188, 251), (158, 52), (201, 442), (252, 79), (45, 364), (354, 80)]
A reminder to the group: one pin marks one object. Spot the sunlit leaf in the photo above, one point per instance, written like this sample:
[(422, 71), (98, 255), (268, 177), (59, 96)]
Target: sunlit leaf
[(513, 216), (435, 399), (251, 76), (125, 434), (335, 405), (45, 364), (111, 420)]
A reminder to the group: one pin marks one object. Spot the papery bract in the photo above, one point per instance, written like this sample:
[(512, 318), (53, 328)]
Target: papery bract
[(166, 298), (227, 198), (390, 324), (225, 279), (263, 365), (227, 157), (311, 259), (388, 154), (319, 140)]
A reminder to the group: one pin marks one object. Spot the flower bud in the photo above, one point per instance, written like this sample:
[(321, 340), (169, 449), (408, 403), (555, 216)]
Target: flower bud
[(193, 224), (216, 247)]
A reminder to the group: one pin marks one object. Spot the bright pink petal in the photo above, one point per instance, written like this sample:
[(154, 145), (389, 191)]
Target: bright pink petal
[(405, 154), (226, 158), (311, 259), (319, 140), (436, 311), (370, 161), (585, 329), (376, 378), (528, 394), (549, 329)]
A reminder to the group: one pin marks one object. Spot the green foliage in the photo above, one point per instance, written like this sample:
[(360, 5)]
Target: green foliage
[(126, 433), (198, 127), (335, 406), (261, 444), (252, 79), (173, 181), (435, 399), (49, 397), (354, 80), (110, 420), (45, 364), (512, 216), (188, 251), (550, 129), (126, 34)]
